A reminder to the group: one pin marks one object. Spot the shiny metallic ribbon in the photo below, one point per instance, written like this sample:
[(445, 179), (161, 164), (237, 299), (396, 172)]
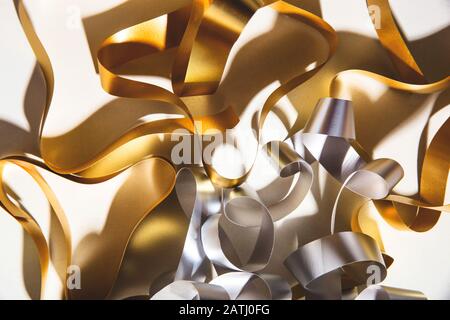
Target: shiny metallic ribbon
[(340, 261), (229, 286), (203, 34), (388, 293), (323, 266)]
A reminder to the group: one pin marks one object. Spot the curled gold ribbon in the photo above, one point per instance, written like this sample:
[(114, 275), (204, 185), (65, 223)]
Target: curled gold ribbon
[(29, 164), (19, 213), (392, 40), (141, 40), (30, 225), (423, 214), (404, 212)]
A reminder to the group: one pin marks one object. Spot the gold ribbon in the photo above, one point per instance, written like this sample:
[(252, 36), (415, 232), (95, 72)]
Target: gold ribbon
[(204, 21), (423, 214), (392, 40), (403, 212), (19, 213), (61, 246)]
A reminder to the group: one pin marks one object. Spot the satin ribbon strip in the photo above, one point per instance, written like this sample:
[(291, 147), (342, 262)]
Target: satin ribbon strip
[(330, 36), (241, 285), (404, 212), (189, 290), (376, 292), (433, 178), (61, 246), (392, 40), (229, 286), (211, 28), (211, 208), (199, 199), (28, 163), (322, 265), (329, 135), (332, 119)]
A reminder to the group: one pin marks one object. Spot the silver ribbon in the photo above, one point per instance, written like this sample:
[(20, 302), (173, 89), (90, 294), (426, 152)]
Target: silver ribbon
[(388, 293)]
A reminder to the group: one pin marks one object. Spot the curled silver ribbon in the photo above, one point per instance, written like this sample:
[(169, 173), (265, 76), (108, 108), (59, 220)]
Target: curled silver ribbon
[(324, 267), (191, 290), (376, 292), (229, 286), (211, 210), (199, 199), (330, 137), (327, 265), (244, 285)]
